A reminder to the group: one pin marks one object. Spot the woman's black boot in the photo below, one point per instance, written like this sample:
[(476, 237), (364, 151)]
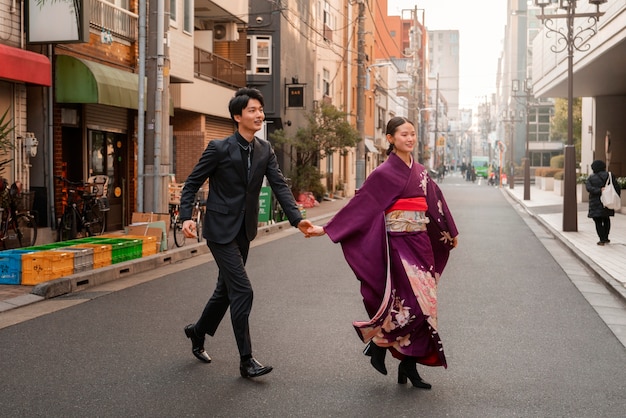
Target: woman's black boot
[(377, 355), (408, 369)]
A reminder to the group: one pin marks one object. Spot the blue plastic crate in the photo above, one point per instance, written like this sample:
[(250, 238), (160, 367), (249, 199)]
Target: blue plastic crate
[(11, 266)]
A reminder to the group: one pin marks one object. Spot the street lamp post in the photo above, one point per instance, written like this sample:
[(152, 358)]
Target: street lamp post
[(570, 40), (508, 117), (527, 95)]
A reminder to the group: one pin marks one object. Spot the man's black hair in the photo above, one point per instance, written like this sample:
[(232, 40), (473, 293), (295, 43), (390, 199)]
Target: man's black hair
[(241, 99)]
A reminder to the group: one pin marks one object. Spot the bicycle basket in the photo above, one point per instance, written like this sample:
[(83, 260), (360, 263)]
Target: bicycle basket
[(103, 204), (99, 185)]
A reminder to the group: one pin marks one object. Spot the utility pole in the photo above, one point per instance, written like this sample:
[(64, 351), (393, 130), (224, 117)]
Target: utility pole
[(156, 150), (141, 114), (360, 96)]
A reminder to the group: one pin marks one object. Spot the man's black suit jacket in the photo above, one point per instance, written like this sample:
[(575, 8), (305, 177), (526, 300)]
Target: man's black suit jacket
[(232, 199)]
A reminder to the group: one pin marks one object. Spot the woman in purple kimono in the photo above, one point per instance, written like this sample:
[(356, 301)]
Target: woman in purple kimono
[(396, 235)]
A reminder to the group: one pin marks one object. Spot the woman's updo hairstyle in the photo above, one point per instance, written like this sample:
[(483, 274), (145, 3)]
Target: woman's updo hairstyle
[(392, 126)]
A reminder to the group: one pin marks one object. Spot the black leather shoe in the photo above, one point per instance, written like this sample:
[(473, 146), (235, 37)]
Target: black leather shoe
[(197, 344), (377, 355), (252, 368)]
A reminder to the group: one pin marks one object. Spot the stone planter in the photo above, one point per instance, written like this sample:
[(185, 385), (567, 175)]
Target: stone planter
[(582, 195), (558, 187), (546, 183), (623, 196)]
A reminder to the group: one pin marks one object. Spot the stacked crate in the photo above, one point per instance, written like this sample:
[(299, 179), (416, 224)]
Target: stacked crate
[(43, 266)]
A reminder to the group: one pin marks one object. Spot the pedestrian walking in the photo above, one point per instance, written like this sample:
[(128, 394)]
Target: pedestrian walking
[(600, 214), (235, 167), (396, 235)]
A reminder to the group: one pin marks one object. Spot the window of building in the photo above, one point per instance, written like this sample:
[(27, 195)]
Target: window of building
[(123, 4), (173, 10), (326, 83), (328, 22), (259, 55), (188, 17), (381, 118)]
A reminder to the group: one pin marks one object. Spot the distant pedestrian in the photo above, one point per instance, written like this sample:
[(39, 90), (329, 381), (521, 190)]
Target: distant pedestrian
[(396, 234), (597, 211)]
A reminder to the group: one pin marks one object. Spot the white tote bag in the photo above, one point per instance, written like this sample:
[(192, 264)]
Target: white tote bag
[(609, 198)]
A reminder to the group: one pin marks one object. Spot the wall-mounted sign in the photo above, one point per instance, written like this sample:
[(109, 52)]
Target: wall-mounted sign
[(295, 96), (57, 21)]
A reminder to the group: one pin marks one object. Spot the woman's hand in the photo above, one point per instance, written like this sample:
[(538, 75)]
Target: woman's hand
[(315, 231)]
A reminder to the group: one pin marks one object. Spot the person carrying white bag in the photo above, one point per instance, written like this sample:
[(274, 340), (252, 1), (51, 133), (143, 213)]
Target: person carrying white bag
[(600, 183)]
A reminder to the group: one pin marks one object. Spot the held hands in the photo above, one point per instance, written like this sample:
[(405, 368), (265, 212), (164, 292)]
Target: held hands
[(309, 230), (189, 229)]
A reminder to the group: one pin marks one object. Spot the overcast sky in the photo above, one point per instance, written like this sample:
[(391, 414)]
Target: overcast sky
[(481, 31)]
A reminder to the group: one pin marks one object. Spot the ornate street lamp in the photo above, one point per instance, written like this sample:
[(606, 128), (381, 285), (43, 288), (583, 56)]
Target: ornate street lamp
[(528, 89), (570, 39)]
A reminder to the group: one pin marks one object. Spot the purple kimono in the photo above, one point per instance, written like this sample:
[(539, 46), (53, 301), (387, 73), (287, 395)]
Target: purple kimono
[(398, 271)]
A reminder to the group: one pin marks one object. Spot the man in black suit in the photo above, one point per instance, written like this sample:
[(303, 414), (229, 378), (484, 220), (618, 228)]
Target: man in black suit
[(235, 167)]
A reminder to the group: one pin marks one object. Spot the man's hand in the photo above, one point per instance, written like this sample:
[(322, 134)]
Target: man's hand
[(189, 229), (304, 225)]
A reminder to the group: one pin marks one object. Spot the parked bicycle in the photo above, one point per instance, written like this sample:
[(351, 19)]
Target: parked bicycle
[(85, 208), (18, 228), (176, 226), (198, 212)]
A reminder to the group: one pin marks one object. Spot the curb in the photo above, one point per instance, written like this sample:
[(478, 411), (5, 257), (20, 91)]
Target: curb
[(86, 279)]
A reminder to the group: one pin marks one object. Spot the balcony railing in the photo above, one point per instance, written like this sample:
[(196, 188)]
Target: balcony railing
[(214, 68), (120, 22)]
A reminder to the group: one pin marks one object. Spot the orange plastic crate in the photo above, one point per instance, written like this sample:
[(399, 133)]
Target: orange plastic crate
[(148, 246), (101, 253), (43, 266)]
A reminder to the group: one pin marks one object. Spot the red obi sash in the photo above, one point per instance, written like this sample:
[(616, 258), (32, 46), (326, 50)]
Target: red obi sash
[(417, 204)]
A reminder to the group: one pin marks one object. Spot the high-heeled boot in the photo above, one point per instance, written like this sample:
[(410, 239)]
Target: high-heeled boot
[(377, 355), (408, 369)]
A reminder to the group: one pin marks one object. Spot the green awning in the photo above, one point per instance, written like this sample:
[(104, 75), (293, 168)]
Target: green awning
[(83, 81)]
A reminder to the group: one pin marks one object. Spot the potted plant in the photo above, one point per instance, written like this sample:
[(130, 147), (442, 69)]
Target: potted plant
[(622, 184), (582, 195), (558, 182)]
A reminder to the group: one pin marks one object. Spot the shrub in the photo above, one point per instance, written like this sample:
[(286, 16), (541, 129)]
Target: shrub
[(558, 161), (546, 171), (622, 182), (582, 179), (559, 175)]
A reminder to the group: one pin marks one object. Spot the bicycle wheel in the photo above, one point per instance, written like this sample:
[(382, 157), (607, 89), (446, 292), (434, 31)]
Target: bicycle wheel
[(179, 237), (25, 229), (95, 221), (198, 219), (67, 228)]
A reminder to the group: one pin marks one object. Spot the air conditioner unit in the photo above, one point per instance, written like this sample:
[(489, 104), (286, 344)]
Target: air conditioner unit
[(225, 32)]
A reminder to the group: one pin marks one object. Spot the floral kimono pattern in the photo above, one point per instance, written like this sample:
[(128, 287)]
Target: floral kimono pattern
[(398, 270)]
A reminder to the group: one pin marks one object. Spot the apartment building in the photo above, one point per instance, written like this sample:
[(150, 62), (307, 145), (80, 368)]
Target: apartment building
[(25, 76)]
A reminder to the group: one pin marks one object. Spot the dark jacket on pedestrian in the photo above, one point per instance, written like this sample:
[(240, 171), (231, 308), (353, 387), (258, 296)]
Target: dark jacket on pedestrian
[(595, 183)]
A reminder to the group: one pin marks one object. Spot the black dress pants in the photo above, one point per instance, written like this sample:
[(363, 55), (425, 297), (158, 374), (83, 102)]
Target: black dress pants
[(233, 289)]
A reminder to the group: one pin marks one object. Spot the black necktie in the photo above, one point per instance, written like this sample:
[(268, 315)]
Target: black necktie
[(248, 149)]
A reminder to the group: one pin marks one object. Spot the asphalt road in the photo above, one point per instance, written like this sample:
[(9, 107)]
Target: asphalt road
[(520, 339)]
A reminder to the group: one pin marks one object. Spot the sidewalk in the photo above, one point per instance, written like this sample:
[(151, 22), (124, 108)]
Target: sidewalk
[(14, 296), (608, 261)]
